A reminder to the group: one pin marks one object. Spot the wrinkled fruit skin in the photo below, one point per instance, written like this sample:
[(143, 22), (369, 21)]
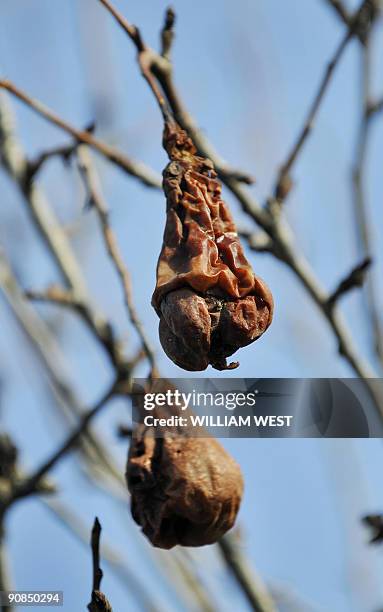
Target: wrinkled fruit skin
[(209, 300), (184, 490)]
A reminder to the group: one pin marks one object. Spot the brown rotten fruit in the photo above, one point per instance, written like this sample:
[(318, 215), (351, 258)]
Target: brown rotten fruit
[(185, 490), (209, 300)]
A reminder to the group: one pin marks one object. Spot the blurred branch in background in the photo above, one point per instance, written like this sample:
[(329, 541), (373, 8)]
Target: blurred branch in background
[(369, 112), (8, 460), (16, 164), (253, 587), (355, 279), (48, 351), (31, 483), (96, 200), (134, 168), (339, 7)]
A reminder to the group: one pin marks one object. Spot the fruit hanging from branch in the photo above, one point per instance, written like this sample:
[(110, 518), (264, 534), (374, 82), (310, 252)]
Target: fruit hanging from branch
[(209, 301)]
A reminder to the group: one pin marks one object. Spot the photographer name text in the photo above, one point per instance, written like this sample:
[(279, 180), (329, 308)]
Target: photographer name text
[(219, 421)]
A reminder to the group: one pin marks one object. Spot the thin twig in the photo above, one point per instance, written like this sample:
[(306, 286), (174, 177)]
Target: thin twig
[(284, 174), (109, 555), (102, 330), (29, 485), (341, 10), (358, 24), (44, 219), (167, 33), (64, 151), (369, 111), (97, 200), (361, 20), (95, 545), (255, 591), (132, 167), (99, 602), (49, 353), (4, 570), (355, 278), (152, 65), (374, 108), (15, 163), (375, 523)]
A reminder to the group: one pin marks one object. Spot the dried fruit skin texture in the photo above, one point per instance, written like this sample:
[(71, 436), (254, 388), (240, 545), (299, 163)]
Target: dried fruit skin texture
[(184, 490), (209, 300)]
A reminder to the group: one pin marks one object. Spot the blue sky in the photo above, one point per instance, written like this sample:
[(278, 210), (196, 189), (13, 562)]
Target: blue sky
[(247, 71)]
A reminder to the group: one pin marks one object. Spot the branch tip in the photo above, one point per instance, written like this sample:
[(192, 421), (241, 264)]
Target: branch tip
[(354, 279)]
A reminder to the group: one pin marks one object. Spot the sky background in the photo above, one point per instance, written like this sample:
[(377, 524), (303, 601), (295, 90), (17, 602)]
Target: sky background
[(247, 71)]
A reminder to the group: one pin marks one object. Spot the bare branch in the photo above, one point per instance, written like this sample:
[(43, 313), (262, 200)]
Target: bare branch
[(369, 111), (131, 30), (167, 33), (341, 10), (358, 24), (8, 461), (258, 241), (49, 353), (283, 179), (29, 485), (4, 570), (109, 554), (124, 431), (65, 152), (95, 544), (361, 20), (99, 602), (96, 198), (374, 108), (54, 294), (354, 279), (255, 591), (132, 167), (375, 523), (155, 65), (17, 165)]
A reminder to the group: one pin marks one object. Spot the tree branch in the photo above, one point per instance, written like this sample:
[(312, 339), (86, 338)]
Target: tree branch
[(369, 111), (341, 10), (17, 166), (4, 571), (97, 200), (99, 602), (252, 586), (361, 20), (30, 483), (132, 167), (110, 556), (283, 183), (49, 353), (354, 279), (167, 33), (155, 66)]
